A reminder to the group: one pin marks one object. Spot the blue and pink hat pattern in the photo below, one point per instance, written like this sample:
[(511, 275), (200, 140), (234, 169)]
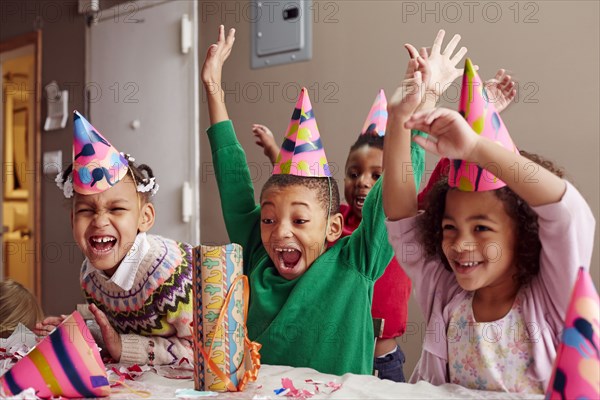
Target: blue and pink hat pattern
[(97, 165)]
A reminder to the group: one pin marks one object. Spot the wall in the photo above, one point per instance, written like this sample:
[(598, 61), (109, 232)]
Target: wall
[(63, 57), (552, 49)]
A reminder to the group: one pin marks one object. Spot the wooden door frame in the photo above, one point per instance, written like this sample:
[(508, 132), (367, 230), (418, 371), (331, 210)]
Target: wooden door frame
[(35, 39)]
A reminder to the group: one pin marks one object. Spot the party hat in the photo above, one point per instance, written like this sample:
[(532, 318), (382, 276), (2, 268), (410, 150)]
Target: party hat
[(302, 152), (576, 373), (66, 363), (377, 118), (482, 116), (97, 165)]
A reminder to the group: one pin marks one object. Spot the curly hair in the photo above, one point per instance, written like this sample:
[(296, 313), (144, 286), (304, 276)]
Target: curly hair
[(139, 173), (527, 241), (321, 186)]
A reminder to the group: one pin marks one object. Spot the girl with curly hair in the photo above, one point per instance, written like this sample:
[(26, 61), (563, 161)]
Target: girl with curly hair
[(496, 250)]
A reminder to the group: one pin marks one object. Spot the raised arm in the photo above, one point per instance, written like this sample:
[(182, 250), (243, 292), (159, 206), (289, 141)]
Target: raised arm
[(452, 137), (265, 139), (399, 191), (438, 67), (216, 56), (501, 90)]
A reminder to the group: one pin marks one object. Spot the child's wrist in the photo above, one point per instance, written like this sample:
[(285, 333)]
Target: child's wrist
[(399, 118), (212, 87)]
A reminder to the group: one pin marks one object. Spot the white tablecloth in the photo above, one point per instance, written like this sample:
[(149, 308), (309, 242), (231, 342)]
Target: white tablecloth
[(353, 387)]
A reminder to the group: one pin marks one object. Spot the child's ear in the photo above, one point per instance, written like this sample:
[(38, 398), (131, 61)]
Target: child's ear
[(336, 225), (146, 217)]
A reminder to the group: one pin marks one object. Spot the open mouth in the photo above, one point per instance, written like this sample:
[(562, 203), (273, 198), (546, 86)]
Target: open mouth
[(102, 244), (288, 257), (359, 201), (466, 267)]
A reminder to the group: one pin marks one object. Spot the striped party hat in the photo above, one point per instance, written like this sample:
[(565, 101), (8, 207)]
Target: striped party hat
[(482, 116), (377, 118), (97, 165), (302, 152), (66, 363)]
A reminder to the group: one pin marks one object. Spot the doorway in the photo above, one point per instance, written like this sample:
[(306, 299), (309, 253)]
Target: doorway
[(20, 69)]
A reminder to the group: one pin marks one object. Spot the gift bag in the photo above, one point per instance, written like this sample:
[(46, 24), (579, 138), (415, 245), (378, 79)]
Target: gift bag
[(224, 357), (65, 363)]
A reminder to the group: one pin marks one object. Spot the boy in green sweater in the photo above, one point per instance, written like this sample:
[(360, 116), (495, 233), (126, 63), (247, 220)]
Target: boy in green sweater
[(308, 307)]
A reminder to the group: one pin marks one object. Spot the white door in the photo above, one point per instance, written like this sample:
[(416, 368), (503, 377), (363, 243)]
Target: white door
[(142, 94)]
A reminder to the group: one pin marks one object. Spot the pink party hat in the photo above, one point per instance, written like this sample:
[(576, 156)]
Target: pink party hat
[(66, 363), (377, 118), (302, 152), (481, 114), (97, 165), (576, 372)]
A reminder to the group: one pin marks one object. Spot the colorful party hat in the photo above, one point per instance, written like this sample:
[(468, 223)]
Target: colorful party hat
[(481, 114), (66, 363), (576, 372), (302, 152), (97, 165), (377, 118)]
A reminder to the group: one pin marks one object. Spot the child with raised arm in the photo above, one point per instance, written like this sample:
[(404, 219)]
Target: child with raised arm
[(309, 305), (139, 286), (364, 166), (491, 255)]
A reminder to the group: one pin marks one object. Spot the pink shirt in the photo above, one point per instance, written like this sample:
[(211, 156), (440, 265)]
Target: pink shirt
[(566, 230)]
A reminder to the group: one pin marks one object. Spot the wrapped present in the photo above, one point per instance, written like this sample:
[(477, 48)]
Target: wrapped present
[(576, 373), (66, 363), (224, 357)]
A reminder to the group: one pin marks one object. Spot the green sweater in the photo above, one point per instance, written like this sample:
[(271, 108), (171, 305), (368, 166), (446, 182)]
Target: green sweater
[(321, 320)]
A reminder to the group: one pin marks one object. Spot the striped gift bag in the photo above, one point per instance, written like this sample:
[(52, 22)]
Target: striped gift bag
[(221, 345)]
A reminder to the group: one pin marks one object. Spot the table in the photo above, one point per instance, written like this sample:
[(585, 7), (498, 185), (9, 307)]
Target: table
[(353, 387)]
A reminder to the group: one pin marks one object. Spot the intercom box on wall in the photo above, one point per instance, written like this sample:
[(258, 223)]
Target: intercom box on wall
[(281, 32)]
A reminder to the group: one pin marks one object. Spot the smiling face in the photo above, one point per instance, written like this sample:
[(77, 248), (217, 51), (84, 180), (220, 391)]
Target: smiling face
[(479, 241), (294, 228), (106, 224), (363, 167)]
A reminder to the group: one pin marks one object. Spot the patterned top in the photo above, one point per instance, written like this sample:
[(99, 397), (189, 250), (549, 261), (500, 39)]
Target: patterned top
[(490, 355), (154, 317)]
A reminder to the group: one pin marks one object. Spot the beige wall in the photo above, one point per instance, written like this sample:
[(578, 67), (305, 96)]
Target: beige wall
[(552, 49)]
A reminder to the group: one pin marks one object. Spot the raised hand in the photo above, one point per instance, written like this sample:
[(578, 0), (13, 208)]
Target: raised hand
[(112, 340), (449, 133), (216, 56), (265, 139), (212, 69), (409, 94), (439, 68), (501, 90)]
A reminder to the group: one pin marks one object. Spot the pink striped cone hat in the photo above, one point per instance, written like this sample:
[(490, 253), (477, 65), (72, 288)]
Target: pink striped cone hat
[(302, 152)]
